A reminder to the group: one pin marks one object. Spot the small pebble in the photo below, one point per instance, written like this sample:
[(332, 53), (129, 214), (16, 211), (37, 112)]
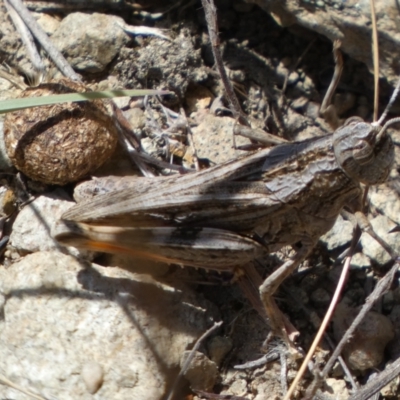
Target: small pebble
[(202, 373), (320, 297), (93, 376), (365, 350), (218, 348)]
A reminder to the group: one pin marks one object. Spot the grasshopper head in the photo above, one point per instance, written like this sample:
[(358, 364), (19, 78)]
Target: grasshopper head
[(365, 152)]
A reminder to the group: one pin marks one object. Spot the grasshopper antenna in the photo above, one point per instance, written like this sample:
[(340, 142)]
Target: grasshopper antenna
[(387, 124), (390, 104)]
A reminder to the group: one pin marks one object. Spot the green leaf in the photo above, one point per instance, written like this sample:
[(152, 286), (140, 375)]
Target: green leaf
[(28, 102)]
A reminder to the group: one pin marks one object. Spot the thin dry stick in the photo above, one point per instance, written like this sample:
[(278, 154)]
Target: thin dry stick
[(324, 323), (189, 358), (210, 12), (43, 39), (7, 382), (375, 53), (383, 378), (27, 39), (296, 64), (316, 322), (12, 79)]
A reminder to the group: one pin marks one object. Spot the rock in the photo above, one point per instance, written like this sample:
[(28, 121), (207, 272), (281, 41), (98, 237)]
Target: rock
[(122, 102), (388, 300), (47, 22), (5, 162), (365, 349), (360, 261), (213, 139), (90, 41), (339, 236), (202, 373), (391, 390), (382, 225), (32, 227), (218, 347), (238, 388), (386, 200), (336, 388), (268, 385), (58, 314), (92, 375), (136, 118)]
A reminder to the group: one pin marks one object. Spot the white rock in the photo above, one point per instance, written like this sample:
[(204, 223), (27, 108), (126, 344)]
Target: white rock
[(340, 234), (32, 227), (382, 225), (58, 315), (5, 162), (93, 376), (122, 102), (238, 388), (360, 261), (336, 388), (386, 200), (90, 41)]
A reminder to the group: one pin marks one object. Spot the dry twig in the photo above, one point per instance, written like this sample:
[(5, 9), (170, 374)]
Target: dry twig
[(211, 18)]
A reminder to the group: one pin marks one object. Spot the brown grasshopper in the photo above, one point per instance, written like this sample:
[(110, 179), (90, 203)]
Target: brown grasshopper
[(224, 217)]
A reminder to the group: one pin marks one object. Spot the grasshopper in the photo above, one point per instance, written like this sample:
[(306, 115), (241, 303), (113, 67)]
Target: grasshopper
[(226, 216)]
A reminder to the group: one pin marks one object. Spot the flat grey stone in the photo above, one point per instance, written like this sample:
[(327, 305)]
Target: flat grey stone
[(71, 329)]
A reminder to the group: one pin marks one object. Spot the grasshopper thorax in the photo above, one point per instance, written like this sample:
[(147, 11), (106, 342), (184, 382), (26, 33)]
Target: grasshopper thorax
[(363, 151)]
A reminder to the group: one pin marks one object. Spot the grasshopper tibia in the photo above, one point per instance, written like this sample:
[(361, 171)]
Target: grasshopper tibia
[(270, 285)]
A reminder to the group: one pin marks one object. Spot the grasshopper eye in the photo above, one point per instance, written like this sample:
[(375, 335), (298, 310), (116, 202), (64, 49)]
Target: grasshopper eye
[(359, 159), (363, 152)]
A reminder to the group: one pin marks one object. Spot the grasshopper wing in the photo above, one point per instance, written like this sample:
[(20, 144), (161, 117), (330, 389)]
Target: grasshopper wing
[(198, 247)]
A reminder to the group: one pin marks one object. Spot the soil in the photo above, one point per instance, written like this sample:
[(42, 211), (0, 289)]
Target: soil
[(259, 56)]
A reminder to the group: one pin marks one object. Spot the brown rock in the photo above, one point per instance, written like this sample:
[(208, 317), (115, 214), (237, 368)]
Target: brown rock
[(365, 349)]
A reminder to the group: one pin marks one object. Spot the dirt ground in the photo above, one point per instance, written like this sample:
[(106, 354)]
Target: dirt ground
[(261, 58)]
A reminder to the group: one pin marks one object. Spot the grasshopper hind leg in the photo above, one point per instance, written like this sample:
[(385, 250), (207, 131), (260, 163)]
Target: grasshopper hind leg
[(280, 325)]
